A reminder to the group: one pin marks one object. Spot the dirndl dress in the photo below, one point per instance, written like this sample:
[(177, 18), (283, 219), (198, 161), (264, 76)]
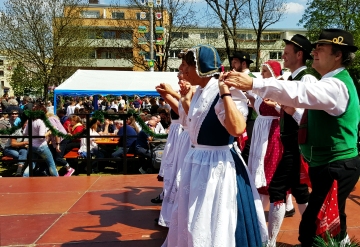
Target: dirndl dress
[(266, 148), (172, 172), (216, 198)]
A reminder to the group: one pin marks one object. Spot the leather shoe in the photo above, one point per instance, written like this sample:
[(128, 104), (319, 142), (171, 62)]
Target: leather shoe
[(290, 213), (156, 200)]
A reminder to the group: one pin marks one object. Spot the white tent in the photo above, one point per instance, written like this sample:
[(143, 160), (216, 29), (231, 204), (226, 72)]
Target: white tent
[(107, 82)]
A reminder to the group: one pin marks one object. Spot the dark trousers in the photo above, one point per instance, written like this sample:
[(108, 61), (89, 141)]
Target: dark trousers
[(59, 156), (346, 172), (145, 156), (287, 176)]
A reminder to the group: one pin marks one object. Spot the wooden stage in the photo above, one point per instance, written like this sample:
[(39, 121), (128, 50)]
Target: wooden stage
[(101, 211)]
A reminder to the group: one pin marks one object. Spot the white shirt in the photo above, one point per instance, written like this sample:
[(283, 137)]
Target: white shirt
[(328, 94)]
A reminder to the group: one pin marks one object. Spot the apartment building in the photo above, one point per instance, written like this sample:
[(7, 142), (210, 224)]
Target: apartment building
[(122, 35), (272, 44), (5, 74), (123, 38)]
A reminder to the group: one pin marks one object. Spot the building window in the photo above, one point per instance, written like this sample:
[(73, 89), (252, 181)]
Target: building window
[(275, 55), (174, 53), (118, 15), (91, 35), (107, 55), (92, 55), (1, 73), (209, 35), (179, 35), (90, 14), (271, 36), (109, 34), (1, 62), (126, 36), (146, 18)]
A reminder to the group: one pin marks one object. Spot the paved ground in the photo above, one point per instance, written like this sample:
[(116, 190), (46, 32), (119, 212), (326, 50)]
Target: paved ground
[(100, 211)]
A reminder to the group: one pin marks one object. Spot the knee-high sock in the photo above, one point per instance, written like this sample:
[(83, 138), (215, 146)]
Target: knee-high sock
[(289, 204), (302, 207), (276, 217), (265, 200)]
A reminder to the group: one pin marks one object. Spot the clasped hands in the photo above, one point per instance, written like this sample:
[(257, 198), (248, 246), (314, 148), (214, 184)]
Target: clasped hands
[(238, 80)]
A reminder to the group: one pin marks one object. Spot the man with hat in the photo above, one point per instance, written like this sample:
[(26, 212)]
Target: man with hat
[(240, 62), (297, 50), (328, 130)]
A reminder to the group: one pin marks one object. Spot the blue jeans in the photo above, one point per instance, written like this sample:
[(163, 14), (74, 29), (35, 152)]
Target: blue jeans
[(119, 152), (45, 153), (18, 154)]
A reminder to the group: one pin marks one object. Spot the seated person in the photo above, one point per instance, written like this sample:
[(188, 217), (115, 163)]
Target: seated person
[(94, 148), (118, 124), (106, 128), (165, 118), (130, 139), (17, 148), (142, 147), (74, 128)]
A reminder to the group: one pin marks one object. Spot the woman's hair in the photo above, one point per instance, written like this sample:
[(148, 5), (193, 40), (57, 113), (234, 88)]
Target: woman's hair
[(39, 107), (189, 58), (133, 124), (75, 118), (12, 102)]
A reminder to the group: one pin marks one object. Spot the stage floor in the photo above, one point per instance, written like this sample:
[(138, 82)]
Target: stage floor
[(101, 211)]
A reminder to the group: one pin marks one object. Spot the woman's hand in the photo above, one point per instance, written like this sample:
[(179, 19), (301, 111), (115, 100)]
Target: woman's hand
[(270, 102), (164, 88)]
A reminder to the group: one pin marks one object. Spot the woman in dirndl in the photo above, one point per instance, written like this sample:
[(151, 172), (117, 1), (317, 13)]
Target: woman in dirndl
[(216, 202)]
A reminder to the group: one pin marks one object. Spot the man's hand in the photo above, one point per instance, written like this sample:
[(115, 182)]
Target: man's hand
[(238, 80)]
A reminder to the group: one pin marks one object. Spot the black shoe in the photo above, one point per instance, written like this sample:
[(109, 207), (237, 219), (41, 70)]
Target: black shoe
[(156, 200), (290, 213)]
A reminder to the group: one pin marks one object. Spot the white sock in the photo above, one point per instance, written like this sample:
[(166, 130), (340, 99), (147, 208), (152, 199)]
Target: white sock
[(302, 207), (289, 203), (265, 201), (345, 241), (276, 217)]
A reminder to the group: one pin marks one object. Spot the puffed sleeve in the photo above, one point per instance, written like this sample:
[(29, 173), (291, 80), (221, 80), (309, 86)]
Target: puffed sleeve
[(240, 101)]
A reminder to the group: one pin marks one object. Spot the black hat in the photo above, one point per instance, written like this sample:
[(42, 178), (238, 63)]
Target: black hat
[(301, 42), (242, 56), (337, 37)]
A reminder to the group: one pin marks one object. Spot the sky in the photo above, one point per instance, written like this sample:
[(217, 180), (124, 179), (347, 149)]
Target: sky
[(295, 9)]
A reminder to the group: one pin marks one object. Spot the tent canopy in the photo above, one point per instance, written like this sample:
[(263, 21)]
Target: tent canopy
[(106, 82)]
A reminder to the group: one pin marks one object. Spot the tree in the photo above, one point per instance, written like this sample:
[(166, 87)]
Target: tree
[(177, 17), (230, 14), (264, 13), (47, 37), (22, 82), (344, 15)]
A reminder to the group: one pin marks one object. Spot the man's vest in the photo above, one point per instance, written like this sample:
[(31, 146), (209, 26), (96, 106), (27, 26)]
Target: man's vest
[(330, 138)]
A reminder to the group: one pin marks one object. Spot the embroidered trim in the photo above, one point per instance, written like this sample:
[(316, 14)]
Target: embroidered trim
[(269, 67), (195, 50)]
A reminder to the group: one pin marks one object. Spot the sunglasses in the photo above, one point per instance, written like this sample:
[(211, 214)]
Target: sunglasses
[(14, 113)]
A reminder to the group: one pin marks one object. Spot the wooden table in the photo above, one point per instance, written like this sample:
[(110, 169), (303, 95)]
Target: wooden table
[(107, 141)]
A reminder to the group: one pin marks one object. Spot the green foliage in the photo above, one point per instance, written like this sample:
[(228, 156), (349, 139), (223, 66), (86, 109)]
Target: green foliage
[(342, 14), (328, 241), (22, 81)]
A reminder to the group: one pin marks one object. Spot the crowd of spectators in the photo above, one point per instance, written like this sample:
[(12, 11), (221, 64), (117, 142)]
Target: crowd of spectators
[(70, 118)]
